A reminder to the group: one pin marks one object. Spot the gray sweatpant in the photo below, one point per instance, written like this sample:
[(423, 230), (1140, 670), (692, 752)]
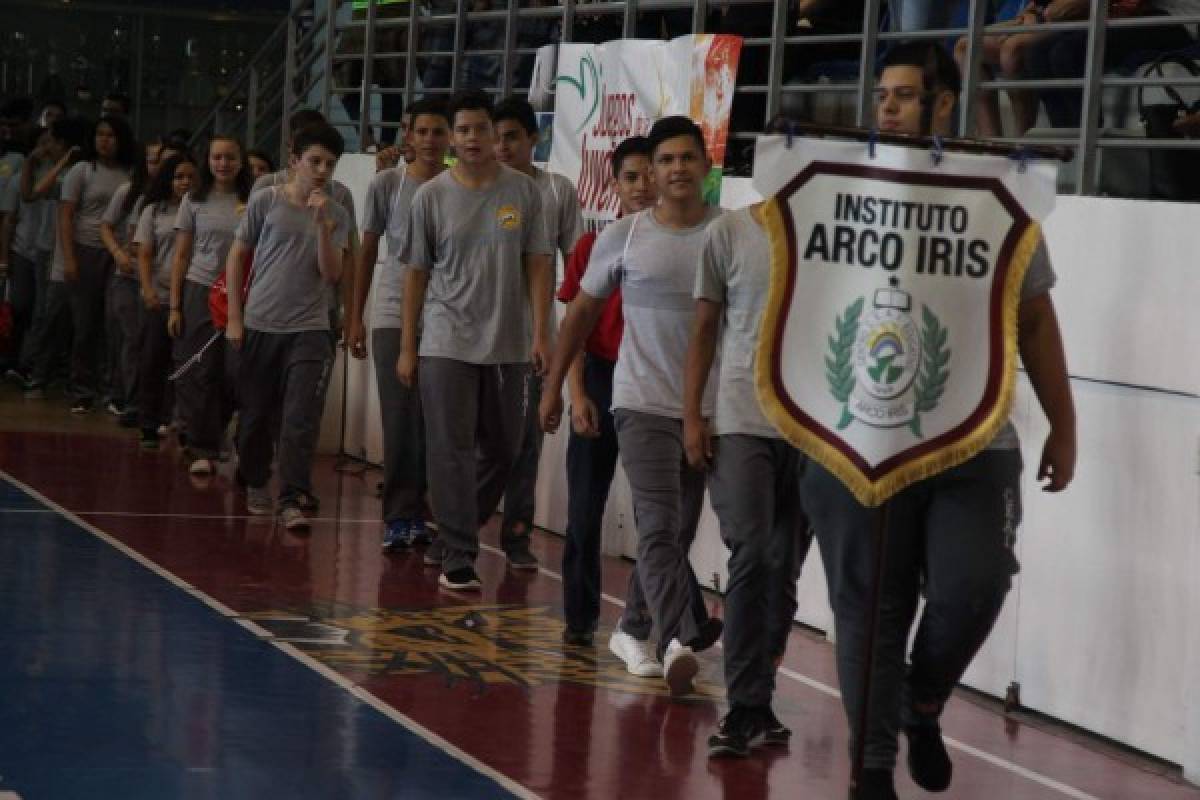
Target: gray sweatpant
[(754, 484), (282, 379), (403, 432), (519, 502), (950, 536), (668, 496), (123, 338), (88, 296), (203, 394), (472, 411)]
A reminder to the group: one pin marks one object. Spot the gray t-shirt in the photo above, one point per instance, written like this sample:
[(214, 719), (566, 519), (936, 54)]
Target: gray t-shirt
[(473, 243), (91, 186), (1039, 279), (212, 223), (48, 234), (31, 221), (156, 227), (560, 205), (10, 182), (287, 292), (124, 224), (735, 271), (388, 213), (655, 268)]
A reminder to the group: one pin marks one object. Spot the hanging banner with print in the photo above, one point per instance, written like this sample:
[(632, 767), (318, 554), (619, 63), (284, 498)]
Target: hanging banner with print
[(888, 350), (605, 93)]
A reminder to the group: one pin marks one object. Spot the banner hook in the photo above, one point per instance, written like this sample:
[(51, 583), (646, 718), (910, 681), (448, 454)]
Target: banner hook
[(872, 140), (938, 151)]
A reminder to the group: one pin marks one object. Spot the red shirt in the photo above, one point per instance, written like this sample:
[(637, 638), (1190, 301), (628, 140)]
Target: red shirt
[(605, 339)]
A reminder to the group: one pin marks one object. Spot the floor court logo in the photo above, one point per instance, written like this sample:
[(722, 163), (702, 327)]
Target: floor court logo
[(481, 645)]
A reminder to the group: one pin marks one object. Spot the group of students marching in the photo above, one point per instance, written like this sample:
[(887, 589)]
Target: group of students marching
[(656, 351), (657, 354)]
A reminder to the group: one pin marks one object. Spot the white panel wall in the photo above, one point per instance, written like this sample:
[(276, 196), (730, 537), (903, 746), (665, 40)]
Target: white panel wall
[(1102, 628)]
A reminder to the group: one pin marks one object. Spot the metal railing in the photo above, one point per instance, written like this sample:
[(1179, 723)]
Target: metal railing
[(377, 56)]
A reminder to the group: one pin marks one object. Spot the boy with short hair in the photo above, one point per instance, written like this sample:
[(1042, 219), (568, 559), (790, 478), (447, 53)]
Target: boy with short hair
[(592, 447), (480, 276), (516, 136), (652, 257), (388, 214), (299, 237), (950, 536)]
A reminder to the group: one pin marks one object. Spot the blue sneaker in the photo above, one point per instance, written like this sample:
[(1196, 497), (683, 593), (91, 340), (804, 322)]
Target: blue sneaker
[(419, 533), (397, 536)]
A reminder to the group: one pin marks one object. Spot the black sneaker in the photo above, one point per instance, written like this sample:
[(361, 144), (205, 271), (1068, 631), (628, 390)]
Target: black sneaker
[(516, 548), (461, 579), (928, 762), (149, 439), (82, 406), (876, 784), (777, 734), (710, 633), (741, 729), (17, 374), (578, 638), (130, 418)]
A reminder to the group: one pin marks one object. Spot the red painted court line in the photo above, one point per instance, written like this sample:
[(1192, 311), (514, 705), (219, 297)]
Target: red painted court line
[(557, 737)]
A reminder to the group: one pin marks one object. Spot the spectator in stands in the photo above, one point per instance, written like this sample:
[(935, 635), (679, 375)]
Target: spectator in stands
[(52, 110), (1005, 56), (1064, 55), (919, 15), (482, 71), (116, 104)]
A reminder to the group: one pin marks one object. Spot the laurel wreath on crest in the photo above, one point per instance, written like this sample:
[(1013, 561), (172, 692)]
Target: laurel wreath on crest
[(935, 357), (839, 366)]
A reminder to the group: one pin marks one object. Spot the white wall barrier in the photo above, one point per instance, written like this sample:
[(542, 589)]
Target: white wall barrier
[(1102, 628)]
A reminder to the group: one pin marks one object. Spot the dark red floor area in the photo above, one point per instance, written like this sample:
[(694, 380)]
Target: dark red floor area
[(489, 673)]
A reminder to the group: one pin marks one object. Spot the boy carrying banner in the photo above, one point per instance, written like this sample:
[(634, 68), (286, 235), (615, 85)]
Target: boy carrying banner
[(949, 536)]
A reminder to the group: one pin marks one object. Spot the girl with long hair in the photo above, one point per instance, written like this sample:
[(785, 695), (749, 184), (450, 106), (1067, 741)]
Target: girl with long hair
[(204, 228), (80, 258), (156, 240)]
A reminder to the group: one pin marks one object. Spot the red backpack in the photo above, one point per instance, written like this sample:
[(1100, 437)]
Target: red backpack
[(218, 295)]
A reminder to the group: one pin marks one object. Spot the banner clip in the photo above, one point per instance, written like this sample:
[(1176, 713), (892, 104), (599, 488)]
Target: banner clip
[(1021, 155), (872, 140), (938, 151)]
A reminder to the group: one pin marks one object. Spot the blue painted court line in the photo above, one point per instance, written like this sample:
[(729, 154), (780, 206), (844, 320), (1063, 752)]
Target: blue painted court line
[(115, 683)]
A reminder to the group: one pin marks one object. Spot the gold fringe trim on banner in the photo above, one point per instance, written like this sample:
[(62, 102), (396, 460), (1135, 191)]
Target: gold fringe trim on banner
[(874, 493)]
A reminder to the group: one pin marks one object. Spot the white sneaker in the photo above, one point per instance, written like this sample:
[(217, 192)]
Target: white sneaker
[(293, 518), (201, 466), (680, 667), (638, 659)]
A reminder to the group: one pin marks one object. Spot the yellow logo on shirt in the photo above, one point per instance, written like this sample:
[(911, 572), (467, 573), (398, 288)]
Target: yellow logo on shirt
[(6, 169), (240, 209), (509, 217)]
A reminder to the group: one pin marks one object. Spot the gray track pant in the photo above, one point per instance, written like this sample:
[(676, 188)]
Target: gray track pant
[(519, 501), (474, 415), (951, 536), (755, 488), (403, 432), (123, 338), (282, 379), (668, 496)]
